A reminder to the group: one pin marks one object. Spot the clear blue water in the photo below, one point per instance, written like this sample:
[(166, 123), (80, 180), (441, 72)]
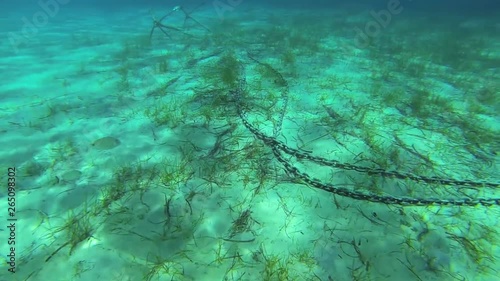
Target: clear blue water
[(238, 140)]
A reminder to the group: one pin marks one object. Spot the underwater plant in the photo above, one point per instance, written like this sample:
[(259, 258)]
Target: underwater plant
[(223, 73), (77, 228)]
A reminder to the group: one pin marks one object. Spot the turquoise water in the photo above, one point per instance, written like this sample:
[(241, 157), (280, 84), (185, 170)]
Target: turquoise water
[(231, 141)]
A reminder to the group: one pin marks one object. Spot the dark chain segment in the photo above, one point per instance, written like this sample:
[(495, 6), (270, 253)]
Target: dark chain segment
[(403, 201), (278, 147), (370, 171)]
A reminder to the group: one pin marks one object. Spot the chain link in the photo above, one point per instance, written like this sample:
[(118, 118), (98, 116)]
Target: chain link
[(278, 148)]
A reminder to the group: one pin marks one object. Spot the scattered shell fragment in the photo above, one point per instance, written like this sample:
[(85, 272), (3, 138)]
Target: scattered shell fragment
[(71, 175), (106, 143)]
